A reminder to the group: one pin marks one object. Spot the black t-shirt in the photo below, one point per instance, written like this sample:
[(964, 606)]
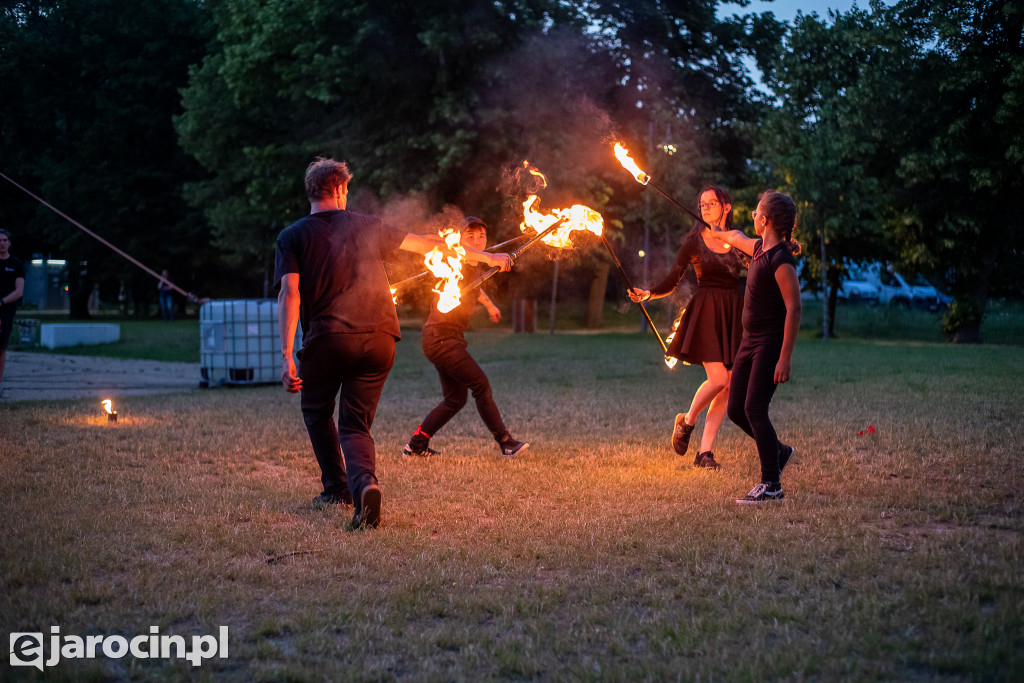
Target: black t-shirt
[(764, 309), (339, 257), (458, 317), (11, 268)]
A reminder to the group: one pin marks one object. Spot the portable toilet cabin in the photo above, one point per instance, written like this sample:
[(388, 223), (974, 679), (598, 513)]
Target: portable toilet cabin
[(239, 342)]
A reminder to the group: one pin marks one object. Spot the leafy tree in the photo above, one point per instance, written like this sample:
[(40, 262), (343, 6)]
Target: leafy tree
[(441, 99), (815, 148), (88, 88), (961, 150), (886, 135)]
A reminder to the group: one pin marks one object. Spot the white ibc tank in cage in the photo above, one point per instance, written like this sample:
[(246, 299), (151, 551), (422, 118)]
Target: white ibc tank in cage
[(239, 342)]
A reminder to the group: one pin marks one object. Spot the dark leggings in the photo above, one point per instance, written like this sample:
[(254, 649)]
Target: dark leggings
[(750, 393), (356, 365), (459, 375)]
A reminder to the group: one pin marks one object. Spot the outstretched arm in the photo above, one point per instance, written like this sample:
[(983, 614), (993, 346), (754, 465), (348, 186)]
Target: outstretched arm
[(789, 285), (288, 301), (735, 238), (421, 244)]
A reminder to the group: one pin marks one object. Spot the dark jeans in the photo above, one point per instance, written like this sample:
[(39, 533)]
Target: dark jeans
[(750, 393), (166, 306), (357, 365), (459, 375)]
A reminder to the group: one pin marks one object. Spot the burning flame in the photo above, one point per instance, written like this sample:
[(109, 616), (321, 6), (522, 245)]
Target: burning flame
[(534, 171), (107, 405), (622, 154), (448, 268), (577, 217), (669, 360)]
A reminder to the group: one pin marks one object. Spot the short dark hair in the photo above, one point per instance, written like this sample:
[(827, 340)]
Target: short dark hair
[(4, 232), (323, 176)]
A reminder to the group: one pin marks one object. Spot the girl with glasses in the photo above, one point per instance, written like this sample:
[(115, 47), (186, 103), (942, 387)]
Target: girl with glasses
[(710, 328)]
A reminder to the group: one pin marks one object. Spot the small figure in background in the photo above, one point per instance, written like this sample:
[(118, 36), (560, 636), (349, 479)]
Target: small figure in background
[(166, 301)]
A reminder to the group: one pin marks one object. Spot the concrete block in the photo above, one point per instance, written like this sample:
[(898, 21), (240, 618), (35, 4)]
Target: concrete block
[(54, 335)]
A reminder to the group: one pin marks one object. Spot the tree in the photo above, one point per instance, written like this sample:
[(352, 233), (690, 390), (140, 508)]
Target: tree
[(814, 148), (961, 150), (88, 89)]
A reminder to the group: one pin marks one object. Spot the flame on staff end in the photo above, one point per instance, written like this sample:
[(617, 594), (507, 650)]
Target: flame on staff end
[(622, 154), (448, 268), (669, 360), (576, 217), (107, 406)]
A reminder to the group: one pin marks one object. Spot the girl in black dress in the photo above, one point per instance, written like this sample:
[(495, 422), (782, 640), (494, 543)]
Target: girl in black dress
[(710, 328), (771, 319)]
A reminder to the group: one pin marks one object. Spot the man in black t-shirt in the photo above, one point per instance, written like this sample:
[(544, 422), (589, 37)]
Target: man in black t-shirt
[(330, 267), (12, 286)]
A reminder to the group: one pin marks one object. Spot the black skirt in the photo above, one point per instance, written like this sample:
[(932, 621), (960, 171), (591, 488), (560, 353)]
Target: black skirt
[(711, 327)]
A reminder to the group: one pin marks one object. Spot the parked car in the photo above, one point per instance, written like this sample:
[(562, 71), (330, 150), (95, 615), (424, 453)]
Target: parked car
[(893, 290), (928, 297), (857, 288)]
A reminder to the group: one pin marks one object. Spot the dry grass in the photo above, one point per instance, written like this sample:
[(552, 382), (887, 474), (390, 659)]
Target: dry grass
[(598, 555)]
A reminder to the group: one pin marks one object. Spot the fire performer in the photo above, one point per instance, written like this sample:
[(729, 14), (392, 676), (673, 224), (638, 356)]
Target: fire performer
[(330, 266), (771, 319), (444, 345), (710, 328)]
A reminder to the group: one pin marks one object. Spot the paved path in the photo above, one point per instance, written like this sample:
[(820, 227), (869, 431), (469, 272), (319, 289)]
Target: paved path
[(44, 376)]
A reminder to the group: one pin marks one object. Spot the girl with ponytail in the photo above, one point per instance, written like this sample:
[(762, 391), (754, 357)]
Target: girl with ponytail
[(771, 319)]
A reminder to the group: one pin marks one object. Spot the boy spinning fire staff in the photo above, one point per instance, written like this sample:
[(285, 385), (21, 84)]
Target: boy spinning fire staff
[(444, 345), (330, 266)]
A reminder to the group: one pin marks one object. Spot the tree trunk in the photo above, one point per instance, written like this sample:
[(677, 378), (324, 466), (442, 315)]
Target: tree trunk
[(524, 315), (968, 331), (595, 303)]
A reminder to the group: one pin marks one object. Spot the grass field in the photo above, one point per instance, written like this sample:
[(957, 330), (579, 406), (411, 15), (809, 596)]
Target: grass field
[(598, 555), (179, 340)]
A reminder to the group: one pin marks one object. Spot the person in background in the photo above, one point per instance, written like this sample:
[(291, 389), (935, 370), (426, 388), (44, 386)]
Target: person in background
[(444, 345), (330, 269), (771, 320), (710, 328), (12, 286), (166, 301)]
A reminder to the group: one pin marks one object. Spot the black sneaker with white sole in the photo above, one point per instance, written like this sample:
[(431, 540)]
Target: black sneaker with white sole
[(425, 452), (765, 492)]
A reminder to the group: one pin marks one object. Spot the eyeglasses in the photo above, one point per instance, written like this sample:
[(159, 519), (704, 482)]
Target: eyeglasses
[(755, 214), (707, 206)]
